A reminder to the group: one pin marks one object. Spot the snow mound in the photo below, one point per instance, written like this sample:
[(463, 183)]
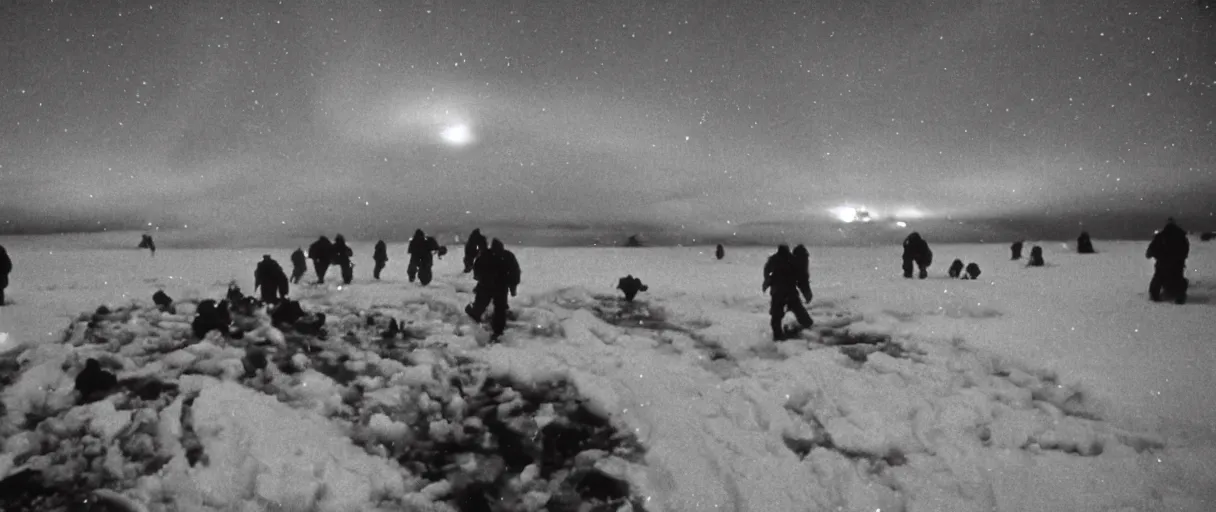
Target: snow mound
[(357, 415)]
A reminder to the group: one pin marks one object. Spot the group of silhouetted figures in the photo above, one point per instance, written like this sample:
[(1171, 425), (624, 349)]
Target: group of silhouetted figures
[(494, 268), (497, 272)]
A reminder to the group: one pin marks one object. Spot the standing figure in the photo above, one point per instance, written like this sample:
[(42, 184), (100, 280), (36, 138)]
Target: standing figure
[(341, 256), (497, 273), (473, 247), (631, 286), (782, 276), (1084, 244), (916, 250), (299, 265), (1036, 257), (422, 257), (269, 276), (973, 271), (380, 256), (1016, 249), (6, 266), (320, 252), (720, 252), (1170, 248), (956, 269)]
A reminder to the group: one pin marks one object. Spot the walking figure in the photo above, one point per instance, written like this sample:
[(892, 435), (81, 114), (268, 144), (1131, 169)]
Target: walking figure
[(783, 277), (497, 273)]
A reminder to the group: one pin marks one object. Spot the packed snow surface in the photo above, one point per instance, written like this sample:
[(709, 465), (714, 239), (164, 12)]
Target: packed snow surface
[(1053, 388)]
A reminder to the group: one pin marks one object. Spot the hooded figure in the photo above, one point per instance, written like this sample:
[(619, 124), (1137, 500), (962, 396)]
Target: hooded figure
[(973, 271), (341, 256), (1084, 244), (720, 252), (956, 269), (321, 254), (269, 276), (473, 247), (783, 277), (497, 273), (299, 265), (1170, 248), (422, 257), (380, 256), (1036, 257), (6, 266), (631, 286), (916, 250), (1016, 250)]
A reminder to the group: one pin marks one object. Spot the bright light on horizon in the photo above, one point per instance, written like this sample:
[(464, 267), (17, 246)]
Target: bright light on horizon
[(457, 135)]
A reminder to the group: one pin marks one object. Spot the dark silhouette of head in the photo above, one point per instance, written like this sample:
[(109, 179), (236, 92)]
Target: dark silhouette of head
[(496, 245), (801, 251), (476, 231), (783, 250), (418, 234), (92, 365), (323, 239), (339, 239), (914, 236)]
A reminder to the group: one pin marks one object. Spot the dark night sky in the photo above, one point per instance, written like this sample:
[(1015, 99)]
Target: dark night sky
[(301, 117)]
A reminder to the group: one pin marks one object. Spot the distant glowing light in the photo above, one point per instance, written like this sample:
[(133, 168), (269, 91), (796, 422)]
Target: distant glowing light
[(909, 213), (849, 214), (901, 224), (457, 134)]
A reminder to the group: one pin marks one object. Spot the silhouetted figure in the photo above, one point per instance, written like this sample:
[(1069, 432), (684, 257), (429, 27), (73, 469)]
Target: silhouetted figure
[(422, 257), (6, 267), (380, 256), (720, 252), (299, 265), (1084, 244), (1170, 248), (956, 269), (631, 286), (289, 314), (973, 271), (234, 294), (93, 383), (342, 256), (164, 302), (916, 251), (211, 315), (145, 242), (633, 241), (1016, 249), (782, 276), (475, 244), (1036, 257), (321, 254), (497, 273), (269, 276)]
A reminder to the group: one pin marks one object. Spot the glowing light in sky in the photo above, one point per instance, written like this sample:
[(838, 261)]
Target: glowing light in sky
[(901, 224), (457, 134)]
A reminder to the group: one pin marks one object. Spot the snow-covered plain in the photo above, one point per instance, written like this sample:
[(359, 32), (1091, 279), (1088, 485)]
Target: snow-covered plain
[(1029, 389)]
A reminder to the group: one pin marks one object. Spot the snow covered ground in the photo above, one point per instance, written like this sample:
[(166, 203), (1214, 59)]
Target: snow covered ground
[(1054, 388)]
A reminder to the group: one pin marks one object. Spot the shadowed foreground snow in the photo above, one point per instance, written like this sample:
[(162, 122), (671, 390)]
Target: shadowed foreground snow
[(1056, 388)]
